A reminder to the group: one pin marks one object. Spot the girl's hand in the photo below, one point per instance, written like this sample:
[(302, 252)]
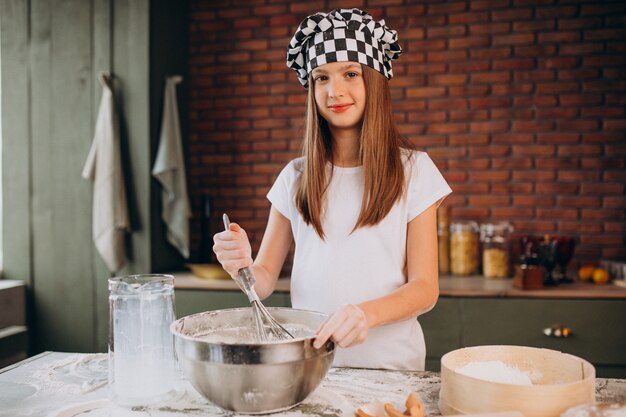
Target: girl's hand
[(233, 250), (346, 327)]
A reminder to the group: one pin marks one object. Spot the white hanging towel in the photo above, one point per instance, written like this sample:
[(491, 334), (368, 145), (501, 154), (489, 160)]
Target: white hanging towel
[(169, 170), (104, 168)]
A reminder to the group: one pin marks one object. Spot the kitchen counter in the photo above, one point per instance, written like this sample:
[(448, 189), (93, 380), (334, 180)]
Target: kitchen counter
[(449, 286), (55, 384)]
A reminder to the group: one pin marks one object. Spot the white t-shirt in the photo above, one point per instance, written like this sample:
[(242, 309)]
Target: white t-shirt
[(350, 267)]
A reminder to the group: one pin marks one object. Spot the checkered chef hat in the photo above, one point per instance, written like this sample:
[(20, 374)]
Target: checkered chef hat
[(342, 35)]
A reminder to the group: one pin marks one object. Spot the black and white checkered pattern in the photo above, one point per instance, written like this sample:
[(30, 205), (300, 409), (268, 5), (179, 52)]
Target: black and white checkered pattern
[(339, 36)]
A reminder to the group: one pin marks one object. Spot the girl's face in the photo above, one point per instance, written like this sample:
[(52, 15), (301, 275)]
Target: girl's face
[(340, 94)]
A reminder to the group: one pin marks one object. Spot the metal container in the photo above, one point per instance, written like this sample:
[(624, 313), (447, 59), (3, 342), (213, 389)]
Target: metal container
[(251, 378)]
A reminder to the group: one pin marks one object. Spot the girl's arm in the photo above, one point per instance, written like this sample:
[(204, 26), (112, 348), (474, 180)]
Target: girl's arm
[(350, 324), (272, 253), (233, 251)]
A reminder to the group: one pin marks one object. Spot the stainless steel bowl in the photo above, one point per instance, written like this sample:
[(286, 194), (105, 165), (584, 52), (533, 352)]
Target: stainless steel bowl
[(251, 378)]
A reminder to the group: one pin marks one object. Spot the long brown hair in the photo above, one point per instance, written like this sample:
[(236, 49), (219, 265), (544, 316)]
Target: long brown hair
[(379, 153)]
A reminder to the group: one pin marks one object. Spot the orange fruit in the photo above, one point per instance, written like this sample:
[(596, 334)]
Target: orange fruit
[(600, 276), (585, 272)]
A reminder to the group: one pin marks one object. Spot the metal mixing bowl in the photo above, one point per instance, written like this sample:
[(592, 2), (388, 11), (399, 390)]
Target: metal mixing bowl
[(251, 378)]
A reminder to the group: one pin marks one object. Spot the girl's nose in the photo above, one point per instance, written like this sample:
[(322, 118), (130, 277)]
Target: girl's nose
[(335, 89)]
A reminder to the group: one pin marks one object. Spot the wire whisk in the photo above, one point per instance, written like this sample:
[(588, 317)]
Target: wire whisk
[(266, 327)]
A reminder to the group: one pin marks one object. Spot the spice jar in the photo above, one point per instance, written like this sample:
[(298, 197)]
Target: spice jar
[(464, 248), (443, 238), (494, 238)]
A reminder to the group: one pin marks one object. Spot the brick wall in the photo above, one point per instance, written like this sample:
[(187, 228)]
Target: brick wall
[(520, 103)]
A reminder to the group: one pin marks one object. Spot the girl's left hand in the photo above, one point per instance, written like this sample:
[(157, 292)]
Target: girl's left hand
[(346, 327)]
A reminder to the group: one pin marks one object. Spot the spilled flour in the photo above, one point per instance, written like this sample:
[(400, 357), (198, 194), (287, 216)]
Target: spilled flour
[(77, 374), (495, 371)]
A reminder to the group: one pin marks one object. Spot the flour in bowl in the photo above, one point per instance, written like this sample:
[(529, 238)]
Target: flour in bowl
[(495, 371), (247, 334)]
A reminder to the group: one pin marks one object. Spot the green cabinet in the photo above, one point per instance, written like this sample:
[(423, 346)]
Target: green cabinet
[(196, 301), (598, 331)]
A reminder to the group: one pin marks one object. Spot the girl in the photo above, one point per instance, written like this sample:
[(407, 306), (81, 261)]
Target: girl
[(359, 204)]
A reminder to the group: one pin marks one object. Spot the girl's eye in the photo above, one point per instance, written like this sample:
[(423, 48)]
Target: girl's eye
[(320, 78), (352, 74)]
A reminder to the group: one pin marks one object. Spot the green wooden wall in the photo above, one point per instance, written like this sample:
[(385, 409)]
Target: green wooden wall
[(52, 53)]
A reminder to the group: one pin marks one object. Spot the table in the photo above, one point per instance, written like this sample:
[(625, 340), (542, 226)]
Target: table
[(55, 384)]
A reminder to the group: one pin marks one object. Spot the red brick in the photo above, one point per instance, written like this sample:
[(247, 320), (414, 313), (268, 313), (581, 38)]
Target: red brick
[(490, 28), (446, 32), (559, 37), (535, 51), (426, 117), (602, 215), (489, 200), (535, 101), (557, 213), (513, 138), (425, 92), (535, 175), (604, 34), (556, 163), (468, 66), (468, 115), (570, 175), (511, 14), (446, 8), (580, 48), (515, 163), (557, 188), (445, 104), (467, 18), (489, 102), (541, 75), (578, 202), (439, 56), (512, 89), (533, 200), (509, 213), (557, 113), (489, 126), (468, 139), (579, 125), (468, 42), (557, 138), (579, 227), (514, 39), (463, 188), (514, 64), (491, 151), (491, 175), (511, 188), (615, 227), (490, 77), (534, 226), (490, 53), (534, 25), (468, 90)]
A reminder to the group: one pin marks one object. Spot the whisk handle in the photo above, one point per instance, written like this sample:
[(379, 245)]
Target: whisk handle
[(246, 279)]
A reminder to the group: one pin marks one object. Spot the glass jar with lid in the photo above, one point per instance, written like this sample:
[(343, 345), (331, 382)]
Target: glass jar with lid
[(494, 238), (464, 248)]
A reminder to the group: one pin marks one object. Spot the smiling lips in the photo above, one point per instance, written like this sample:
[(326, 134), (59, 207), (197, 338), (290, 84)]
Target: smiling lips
[(339, 108)]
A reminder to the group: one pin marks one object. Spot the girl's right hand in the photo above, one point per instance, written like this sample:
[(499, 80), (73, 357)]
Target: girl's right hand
[(233, 250)]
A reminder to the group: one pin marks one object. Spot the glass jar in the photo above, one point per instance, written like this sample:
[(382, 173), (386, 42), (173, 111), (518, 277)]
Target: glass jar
[(142, 364), (443, 238), (494, 238), (464, 248)]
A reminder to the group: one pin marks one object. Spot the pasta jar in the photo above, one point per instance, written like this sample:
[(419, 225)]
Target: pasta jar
[(494, 238), (464, 248)]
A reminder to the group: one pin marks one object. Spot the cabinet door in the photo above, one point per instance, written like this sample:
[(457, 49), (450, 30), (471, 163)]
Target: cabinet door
[(598, 331), (196, 301), (442, 330)]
